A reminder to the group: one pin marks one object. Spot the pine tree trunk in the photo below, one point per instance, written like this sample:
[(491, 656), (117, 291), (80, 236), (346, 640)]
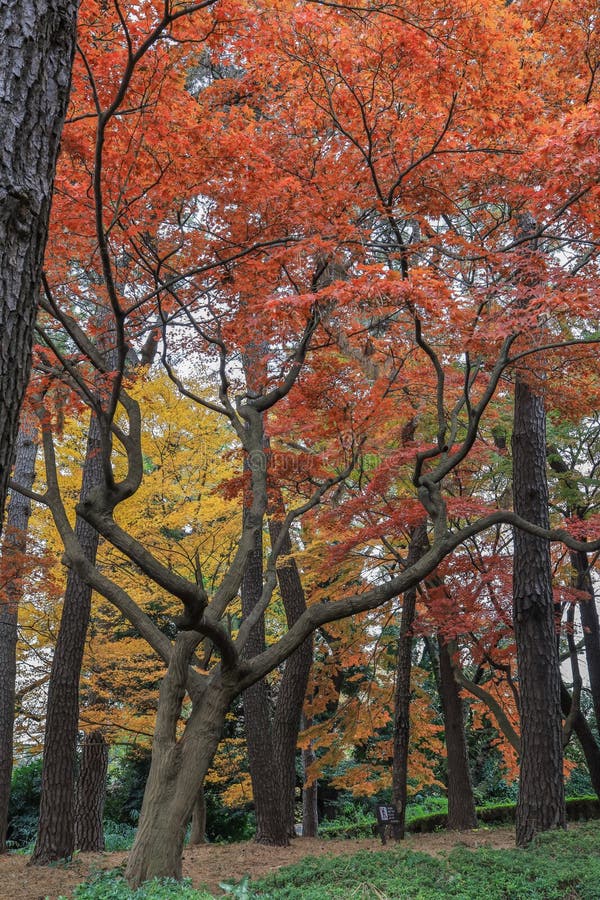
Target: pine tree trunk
[(402, 696), (56, 828), (13, 547), (271, 823), (272, 738), (38, 42), (271, 827), (541, 804), (288, 710), (91, 793), (461, 802)]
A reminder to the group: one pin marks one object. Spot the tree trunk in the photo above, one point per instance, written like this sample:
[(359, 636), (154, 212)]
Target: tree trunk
[(292, 691), (56, 829), (541, 802), (590, 748), (272, 741), (177, 767), (271, 823), (13, 548), (401, 735), (38, 42), (461, 802), (91, 793), (310, 809), (591, 627), (198, 832)]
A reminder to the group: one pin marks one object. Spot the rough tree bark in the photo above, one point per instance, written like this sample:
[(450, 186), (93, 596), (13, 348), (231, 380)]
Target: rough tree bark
[(401, 734), (56, 828), (541, 803), (461, 802), (271, 824), (292, 692), (38, 42), (91, 793), (272, 733), (14, 545)]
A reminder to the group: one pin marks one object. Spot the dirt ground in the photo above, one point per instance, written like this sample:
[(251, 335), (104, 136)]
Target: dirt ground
[(211, 863)]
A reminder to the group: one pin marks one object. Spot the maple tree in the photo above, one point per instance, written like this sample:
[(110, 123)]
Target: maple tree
[(348, 188)]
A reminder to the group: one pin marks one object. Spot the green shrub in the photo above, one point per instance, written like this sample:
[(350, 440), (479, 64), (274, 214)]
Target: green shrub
[(118, 836), (557, 866), (127, 775), (362, 825), (25, 788), (112, 886)]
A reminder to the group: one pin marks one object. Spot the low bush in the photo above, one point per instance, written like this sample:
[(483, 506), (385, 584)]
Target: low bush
[(118, 836), (24, 803), (362, 825), (557, 866), (112, 886)]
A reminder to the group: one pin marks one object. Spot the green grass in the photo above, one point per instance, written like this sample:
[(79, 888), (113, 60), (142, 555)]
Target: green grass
[(558, 866)]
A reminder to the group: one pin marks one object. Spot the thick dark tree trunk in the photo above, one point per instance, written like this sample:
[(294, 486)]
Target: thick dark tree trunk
[(541, 804), (198, 832), (461, 802), (588, 742), (401, 735), (288, 710), (272, 739), (271, 822), (13, 548), (38, 42), (310, 809), (56, 829), (91, 793)]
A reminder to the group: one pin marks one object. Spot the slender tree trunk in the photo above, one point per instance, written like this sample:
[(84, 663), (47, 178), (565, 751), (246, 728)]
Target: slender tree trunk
[(56, 829), (310, 809), (401, 735), (38, 42), (461, 802), (577, 506), (198, 832), (177, 767), (91, 793), (591, 627), (541, 802), (292, 692), (13, 548), (272, 738), (588, 742), (271, 823)]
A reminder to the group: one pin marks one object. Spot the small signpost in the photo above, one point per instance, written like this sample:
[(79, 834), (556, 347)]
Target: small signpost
[(387, 815)]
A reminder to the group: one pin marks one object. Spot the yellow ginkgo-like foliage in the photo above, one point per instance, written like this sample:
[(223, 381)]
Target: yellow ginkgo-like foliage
[(181, 513)]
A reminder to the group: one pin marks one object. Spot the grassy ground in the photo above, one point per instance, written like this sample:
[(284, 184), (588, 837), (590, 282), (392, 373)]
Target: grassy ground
[(559, 866)]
